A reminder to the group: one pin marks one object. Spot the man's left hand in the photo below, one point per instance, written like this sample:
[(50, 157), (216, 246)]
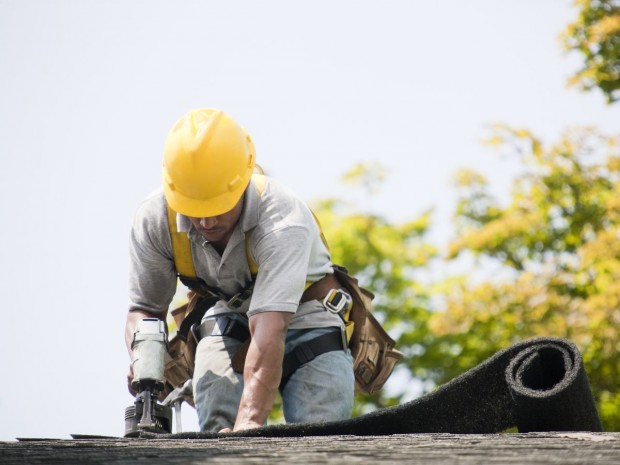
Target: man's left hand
[(241, 427)]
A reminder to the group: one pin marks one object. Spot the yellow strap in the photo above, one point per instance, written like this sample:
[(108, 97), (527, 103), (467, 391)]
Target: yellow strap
[(181, 248), (251, 262), (349, 327)]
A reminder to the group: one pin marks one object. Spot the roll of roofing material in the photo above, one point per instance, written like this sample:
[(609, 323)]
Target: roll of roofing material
[(535, 385), (550, 389)]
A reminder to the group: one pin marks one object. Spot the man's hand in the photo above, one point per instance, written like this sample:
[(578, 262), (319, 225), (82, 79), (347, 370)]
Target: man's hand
[(263, 369), (131, 390)]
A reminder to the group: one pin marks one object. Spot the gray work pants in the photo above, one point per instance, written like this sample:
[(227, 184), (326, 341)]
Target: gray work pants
[(320, 390)]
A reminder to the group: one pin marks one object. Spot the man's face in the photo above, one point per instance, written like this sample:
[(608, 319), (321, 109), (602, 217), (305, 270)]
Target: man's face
[(219, 228)]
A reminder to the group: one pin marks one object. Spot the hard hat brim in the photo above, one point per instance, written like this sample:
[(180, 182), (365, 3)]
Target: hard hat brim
[(198, 208)]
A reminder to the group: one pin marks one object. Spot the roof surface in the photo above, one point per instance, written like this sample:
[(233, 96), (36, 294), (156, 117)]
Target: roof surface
[(428, 449)]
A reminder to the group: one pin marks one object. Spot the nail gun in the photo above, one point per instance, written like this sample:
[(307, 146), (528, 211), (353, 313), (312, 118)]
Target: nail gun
[(149, 348)]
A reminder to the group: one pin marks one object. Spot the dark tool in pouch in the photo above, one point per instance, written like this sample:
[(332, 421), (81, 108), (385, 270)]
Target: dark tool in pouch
[(182, 347), (373, 350)]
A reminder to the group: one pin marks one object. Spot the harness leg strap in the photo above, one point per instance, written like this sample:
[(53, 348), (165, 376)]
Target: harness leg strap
[(308, 351)]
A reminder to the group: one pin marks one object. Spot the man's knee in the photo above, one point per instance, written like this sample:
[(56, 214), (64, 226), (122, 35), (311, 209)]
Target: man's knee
[(217, 387), (217, 400)]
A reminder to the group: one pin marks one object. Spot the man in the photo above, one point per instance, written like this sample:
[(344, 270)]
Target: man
[(232, 219)]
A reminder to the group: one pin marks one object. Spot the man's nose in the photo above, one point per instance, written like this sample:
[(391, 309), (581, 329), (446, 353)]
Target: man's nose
[(209, 222)]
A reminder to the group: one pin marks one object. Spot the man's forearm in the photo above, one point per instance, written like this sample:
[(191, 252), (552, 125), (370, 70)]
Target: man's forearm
[(263, 368)]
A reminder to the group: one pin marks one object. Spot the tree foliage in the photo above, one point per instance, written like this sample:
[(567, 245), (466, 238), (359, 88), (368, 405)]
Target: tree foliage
[(596, 35), (553, 250), (557, 243)]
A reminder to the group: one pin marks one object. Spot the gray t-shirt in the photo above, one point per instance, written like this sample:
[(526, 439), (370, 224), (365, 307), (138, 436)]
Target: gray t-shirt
[(284, 241)]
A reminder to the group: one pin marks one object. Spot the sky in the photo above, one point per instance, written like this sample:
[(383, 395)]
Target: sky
[(89, 90)]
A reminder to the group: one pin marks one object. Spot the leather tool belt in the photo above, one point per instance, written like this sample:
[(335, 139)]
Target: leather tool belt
[(372, 348)]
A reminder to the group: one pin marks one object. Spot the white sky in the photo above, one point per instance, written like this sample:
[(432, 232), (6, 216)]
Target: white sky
[(89, 89)]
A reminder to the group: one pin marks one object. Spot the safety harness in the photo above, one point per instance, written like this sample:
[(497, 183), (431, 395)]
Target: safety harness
[(373, 350), (326, 289)]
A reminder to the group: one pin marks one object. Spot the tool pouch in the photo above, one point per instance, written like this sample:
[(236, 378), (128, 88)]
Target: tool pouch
[(182, 347), (180, 367), (374, 355)]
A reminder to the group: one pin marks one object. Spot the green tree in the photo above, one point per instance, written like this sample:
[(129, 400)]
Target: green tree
[(596, 35), (555, 253)]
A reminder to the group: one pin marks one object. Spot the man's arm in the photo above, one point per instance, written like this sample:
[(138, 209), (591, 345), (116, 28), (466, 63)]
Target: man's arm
[(263, 368)]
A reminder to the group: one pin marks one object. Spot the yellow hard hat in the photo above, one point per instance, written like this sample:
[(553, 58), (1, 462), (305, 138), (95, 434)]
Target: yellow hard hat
[(208, 162)]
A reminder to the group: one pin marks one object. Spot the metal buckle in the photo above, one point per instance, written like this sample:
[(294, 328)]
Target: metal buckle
[(342, 299), (239, 299)]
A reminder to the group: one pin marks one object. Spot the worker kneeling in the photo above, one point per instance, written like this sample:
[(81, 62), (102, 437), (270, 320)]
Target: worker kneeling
[(256, 250)]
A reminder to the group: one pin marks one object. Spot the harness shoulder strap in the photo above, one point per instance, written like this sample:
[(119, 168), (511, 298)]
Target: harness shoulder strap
[(181, 248)]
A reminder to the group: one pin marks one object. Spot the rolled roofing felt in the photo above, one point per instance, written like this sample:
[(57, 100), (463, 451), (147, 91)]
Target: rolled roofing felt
[(535, 385)]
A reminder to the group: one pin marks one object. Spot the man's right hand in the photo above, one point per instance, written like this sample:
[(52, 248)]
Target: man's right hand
[(131, 390)]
